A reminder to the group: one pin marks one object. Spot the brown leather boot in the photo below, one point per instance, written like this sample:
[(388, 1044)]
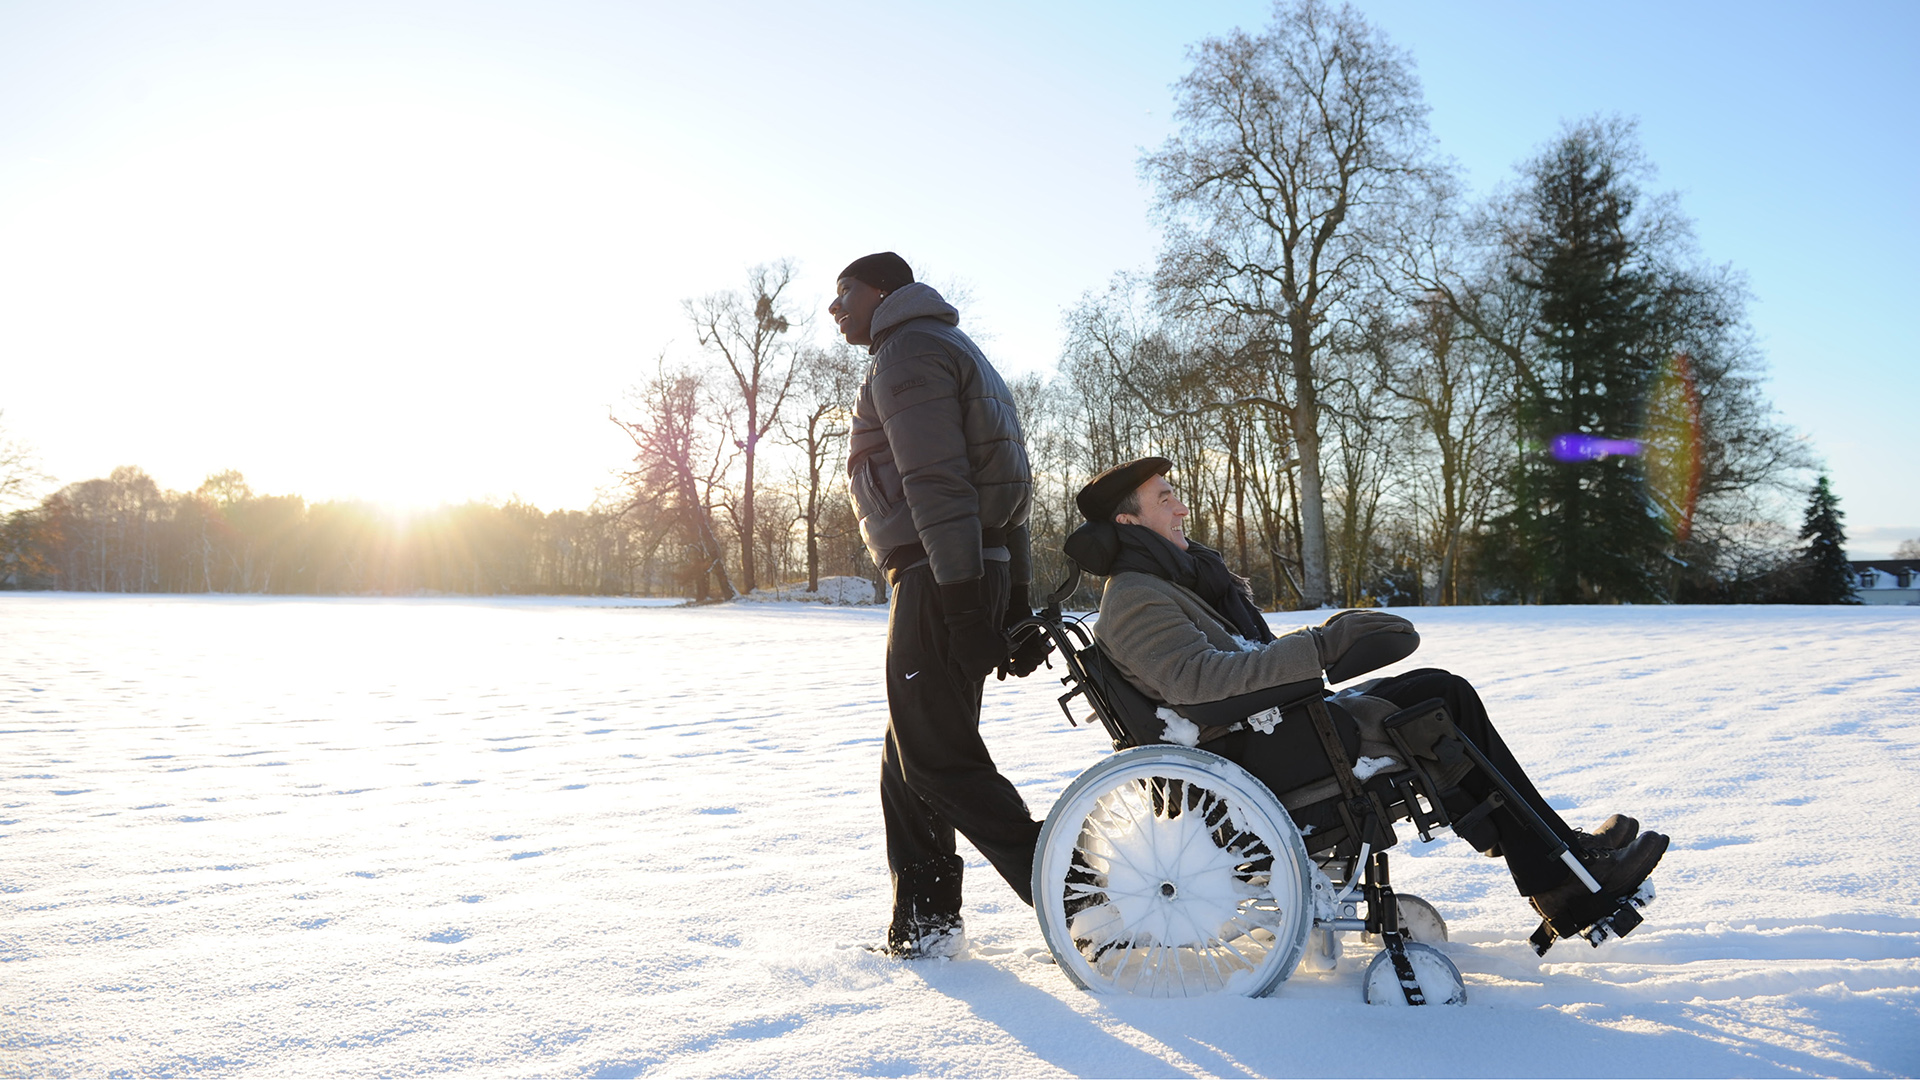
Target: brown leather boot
[(1569, 908), (1614, 833)]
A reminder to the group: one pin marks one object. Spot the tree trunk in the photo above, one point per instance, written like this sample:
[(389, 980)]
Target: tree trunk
[(813, 519), (1315, 573), (747, 537), (1239, 477)]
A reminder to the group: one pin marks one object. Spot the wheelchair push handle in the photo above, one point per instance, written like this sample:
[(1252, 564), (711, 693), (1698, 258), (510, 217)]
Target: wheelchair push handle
[(1059, 595)]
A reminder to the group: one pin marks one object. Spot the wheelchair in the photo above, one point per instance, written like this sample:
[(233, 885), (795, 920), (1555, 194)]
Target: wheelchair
[(1172, 869)]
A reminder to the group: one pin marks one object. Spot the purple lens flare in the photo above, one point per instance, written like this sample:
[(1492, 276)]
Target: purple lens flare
[(1575, 447)]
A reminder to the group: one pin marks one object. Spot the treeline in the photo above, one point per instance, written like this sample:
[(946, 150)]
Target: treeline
[(1546, 398), (123, 533), (1378, 390), (1375, 389)]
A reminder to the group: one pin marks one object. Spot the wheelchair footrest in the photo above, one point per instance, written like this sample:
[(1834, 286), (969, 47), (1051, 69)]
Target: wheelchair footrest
[(1619, 921)]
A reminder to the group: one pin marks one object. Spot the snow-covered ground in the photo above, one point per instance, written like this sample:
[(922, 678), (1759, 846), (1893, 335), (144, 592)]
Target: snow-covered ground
[(251, 836)]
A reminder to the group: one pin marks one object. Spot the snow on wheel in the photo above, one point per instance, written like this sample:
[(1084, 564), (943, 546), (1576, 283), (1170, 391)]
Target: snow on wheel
[(1166, 871), (1323, 950), (1420, 921), (1439, 980)]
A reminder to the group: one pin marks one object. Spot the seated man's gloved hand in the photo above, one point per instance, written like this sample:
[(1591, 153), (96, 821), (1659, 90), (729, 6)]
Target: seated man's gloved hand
[(1031, 650), (1339, 633), (973, 640)]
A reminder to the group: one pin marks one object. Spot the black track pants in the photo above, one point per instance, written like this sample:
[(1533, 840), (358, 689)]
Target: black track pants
[(1534, 868), (935, 773)]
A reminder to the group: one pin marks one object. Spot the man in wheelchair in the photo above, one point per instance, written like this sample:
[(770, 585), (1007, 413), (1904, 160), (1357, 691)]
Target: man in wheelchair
[(1183, 629)]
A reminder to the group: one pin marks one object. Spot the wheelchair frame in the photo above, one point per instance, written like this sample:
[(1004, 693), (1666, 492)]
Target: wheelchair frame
[(1353, 892)]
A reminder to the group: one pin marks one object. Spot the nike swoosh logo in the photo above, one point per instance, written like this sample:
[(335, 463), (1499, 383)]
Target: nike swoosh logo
[(911, 674)]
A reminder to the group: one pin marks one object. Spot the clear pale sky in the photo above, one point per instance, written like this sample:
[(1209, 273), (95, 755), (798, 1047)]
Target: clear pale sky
[(413, 251)]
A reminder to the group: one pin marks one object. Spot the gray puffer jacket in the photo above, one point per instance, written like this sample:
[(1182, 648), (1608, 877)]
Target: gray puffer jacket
[(937, 458)]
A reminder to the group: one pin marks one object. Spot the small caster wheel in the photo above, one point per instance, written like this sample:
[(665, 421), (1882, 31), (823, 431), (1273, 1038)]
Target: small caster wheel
[(1439, 980)]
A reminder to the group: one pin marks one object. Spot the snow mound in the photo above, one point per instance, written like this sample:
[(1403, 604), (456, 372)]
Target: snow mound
[(833, 590)]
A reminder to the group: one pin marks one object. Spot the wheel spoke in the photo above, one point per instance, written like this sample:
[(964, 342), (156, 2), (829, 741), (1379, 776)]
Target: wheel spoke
[(1229, 946), (1117, 851), (1163, 874), (1212, 958), (1126, 955), (1133, 820)]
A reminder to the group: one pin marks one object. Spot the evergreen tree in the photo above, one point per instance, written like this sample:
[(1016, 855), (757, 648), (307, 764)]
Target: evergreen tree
[(1828, 578), (1581, 528)]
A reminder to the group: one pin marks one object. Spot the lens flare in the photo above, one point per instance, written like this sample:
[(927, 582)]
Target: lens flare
[(1573, 447), (1671, 446)]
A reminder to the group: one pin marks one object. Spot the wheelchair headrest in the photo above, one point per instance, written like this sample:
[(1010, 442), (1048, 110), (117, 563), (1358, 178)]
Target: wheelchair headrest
[(1093, 547)]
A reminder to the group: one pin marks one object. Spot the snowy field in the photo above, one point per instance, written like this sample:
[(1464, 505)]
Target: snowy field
[(250, 836)]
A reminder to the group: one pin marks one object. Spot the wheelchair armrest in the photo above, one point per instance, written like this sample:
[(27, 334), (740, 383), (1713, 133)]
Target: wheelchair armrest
[(1373, 651), (1229, 711)]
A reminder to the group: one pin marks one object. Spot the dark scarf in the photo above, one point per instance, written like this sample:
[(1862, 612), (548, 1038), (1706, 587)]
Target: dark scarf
[(1108, 548)]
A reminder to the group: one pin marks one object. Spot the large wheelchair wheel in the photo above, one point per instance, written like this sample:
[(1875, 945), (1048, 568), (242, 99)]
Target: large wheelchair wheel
[(1166, 871)]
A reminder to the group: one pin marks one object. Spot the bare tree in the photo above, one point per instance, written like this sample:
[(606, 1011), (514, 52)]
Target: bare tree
[(1361, 452), (753, 332), (825, 384), (779, 510), (677, 474), (20, 469), (19, 475), (1231, 457), (1292, 144), (1443, 350), (1452, 389)]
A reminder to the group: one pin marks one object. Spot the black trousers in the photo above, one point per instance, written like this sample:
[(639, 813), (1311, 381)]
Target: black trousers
[(1534, 868), (935, 773)]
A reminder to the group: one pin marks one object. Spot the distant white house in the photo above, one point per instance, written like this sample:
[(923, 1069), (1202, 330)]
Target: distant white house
[(1887, 582)]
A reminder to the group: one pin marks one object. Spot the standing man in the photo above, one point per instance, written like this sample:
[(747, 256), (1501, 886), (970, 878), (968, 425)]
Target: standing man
[(939, 475)]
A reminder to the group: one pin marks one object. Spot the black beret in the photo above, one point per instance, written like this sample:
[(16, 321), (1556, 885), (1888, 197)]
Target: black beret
[(884, 271), (1105, 491)]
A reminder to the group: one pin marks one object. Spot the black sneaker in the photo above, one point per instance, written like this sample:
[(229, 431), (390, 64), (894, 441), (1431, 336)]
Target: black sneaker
[(1613, 834), (1569, 908), (927, 939), (926, 910)]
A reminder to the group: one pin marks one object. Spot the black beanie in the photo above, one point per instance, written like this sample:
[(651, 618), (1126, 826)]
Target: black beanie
[(884, 271)]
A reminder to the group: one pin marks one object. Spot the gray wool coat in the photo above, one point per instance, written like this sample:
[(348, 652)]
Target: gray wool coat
[(1170, 644)]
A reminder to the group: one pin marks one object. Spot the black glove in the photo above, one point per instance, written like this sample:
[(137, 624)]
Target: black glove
[(973, 641), (1031, 649), (1387, 638)]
